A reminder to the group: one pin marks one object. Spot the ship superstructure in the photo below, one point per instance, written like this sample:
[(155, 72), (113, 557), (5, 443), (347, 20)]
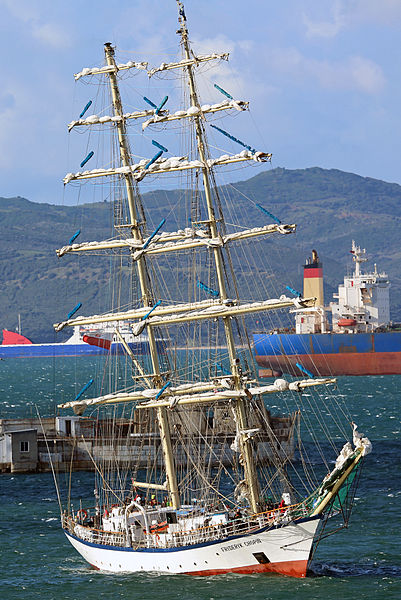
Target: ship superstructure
[(363, 300)]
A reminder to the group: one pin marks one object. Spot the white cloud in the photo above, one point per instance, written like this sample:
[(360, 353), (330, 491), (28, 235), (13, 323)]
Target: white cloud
[(385, 11), (50, 34), (219, 43), (367, 75), (47, 33), (31, 125), (23, 10), (350, 13), (233, 79), (354, 73), (329, 28)]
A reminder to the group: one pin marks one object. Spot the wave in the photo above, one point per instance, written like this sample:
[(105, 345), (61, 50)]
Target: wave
[(354, 570)]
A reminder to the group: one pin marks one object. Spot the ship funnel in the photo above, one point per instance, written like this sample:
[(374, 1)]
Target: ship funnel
[(313, 279)]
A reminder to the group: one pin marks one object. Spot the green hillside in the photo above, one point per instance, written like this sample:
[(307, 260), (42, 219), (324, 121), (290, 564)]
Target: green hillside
[(330, 207)]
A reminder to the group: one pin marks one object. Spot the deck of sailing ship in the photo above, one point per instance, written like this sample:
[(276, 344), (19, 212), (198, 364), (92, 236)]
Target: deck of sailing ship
[(197, 518)]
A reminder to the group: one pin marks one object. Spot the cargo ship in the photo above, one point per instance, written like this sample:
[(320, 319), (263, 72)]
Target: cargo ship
[(352, 336), (85, 341)]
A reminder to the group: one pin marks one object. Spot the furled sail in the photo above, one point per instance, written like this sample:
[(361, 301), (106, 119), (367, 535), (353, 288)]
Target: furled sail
[(196, 311), (184, 240), (194, 394), (168, 165)]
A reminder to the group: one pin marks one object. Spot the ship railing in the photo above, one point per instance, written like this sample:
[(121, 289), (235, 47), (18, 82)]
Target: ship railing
[(95, 536), (212, 532), (239, 526), (104, 538)]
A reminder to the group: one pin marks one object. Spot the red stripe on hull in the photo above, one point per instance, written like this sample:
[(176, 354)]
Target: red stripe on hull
[(293, 568), (349, 363)]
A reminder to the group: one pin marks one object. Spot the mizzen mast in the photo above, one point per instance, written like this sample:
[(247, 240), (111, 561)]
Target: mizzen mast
[(147, 300), (240, 407)]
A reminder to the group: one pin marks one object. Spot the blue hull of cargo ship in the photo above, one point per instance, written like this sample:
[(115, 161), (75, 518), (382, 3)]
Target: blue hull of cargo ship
[(50, 350), (330, 353)]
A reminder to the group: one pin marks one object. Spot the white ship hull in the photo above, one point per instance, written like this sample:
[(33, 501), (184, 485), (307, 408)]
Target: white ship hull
[(284, 550)]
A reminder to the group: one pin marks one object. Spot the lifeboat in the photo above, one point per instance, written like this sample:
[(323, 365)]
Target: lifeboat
[(102, 340), (346, 322)]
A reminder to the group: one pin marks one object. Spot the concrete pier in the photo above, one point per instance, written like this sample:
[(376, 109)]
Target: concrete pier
[(31, 445)]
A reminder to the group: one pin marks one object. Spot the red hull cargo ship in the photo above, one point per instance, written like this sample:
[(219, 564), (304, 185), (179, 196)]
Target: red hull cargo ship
[(361, 340)]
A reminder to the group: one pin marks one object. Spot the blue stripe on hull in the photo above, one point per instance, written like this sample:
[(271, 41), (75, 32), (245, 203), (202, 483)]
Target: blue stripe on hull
[(51, 350), (326, 343)]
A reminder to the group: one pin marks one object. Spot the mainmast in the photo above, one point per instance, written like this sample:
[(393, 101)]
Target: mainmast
[(147, 299), (240, 407)]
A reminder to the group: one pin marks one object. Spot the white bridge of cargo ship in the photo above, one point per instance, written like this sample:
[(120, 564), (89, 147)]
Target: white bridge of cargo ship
[(283, 549)]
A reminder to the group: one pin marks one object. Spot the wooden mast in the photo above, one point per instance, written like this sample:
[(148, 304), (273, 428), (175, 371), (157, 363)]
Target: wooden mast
[(240, 407), (162, 417)]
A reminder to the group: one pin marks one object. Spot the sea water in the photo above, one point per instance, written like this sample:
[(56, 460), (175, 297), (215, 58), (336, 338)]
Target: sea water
[(37, 561)]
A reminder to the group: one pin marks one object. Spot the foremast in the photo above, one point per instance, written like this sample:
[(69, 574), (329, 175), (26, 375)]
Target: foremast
[(130, 185), (250, 474)]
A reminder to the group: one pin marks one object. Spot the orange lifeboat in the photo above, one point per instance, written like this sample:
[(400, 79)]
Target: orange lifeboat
[(346, 322), (97, 340)]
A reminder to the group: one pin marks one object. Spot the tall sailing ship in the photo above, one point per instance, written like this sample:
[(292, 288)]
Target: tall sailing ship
[(221, 491)]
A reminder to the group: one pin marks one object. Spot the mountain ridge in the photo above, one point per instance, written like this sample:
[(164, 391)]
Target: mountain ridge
[(331, 208)]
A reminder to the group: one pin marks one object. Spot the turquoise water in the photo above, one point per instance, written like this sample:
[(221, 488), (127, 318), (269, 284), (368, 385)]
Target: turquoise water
[(363, 561)]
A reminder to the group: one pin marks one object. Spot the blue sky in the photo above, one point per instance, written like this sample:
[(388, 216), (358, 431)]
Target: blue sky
[(323, 78)]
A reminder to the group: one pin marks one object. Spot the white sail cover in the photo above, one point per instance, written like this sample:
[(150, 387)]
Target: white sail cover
[(100, 120), (185, 62), (180, 240), (196, 311), (196, 393), (193, 111), (162, 116), (111, 69), (165, 165)]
